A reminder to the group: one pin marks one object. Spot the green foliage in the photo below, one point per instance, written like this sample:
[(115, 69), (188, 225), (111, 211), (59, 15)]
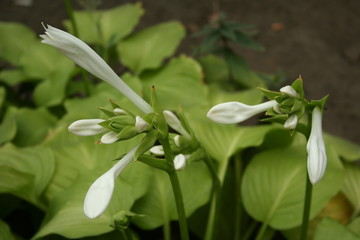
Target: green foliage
[(256, 173), (330, 229), (273, 186), (146, 49)]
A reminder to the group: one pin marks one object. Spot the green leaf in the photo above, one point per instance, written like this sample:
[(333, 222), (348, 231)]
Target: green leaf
[(26, 172), (12, 77), (106, 27), (33, 125), (246, 41), (355, 226), (158, 205), (8, 125), (330, 229), (45, 63), (148, 48), (273, 186), (5, 232), (346, 150), (249, 96), (16, 39), (351, 185), (214, 68), (79, 163), (177, 84)]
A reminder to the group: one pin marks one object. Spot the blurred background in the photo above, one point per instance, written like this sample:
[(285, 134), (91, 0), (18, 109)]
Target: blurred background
[(319, 40)]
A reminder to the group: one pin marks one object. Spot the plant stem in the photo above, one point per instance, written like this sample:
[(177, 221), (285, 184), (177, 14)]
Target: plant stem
[(262, 231), (238, 203), (308, 194), (167, 230), (177, 191), (306, 212)]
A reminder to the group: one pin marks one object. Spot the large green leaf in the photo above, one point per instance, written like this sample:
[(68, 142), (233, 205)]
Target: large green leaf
[(345, 149), (177, 84), (106, 27), (355, 226), (148, 48), (44, 62), (12, 77), (79, 163), (15, 40), (158, 205), (32, 126), (5, 232), (330, 229), (351, 185), (26, 172), (273, 186), (215, 69)]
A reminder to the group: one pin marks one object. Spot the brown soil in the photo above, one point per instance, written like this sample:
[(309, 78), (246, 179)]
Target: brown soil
[(318, 40)]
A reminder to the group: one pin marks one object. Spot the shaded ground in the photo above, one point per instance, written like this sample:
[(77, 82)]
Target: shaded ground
[(318, 39)]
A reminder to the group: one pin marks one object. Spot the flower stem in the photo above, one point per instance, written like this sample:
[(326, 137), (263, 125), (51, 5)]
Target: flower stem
[(177, 191), (262, 231), (306, 212), (238, 204)]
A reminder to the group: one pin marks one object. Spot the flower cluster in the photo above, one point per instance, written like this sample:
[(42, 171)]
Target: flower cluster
[(120, 124), (286, 107)]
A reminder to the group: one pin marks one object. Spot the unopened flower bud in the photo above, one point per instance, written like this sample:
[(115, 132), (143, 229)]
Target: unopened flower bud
[(140, 124), (157, 150), (291, 122), (180, 161), (86, 127), (289, 90)]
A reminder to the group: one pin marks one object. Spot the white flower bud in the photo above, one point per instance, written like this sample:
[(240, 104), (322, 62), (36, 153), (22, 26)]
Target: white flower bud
[(179, 162), (140, 124), (175, 123), (119, 111), (291, 122), (85, 57), (317, 160), (277, 109), (109, 138), (86, 127), (289, 90), (236, 112), (99, 194), (157, 150), (177, 140)]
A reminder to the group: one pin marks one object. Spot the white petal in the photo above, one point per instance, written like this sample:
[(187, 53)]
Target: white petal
[(109, 138), (157, 150), (175, 123), (179, 162), (315, 147), (140, 124), (99, 194), (291, 122), (88, 59), (236, 112), (289, 90), (86, 127)]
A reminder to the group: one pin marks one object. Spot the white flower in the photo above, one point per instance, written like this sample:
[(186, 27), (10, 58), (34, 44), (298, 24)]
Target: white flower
[(180, 162), (177, 140), (316, 161), (236, 112), (291, 122), (157, 150), (89, 127), (175, 123), (84, 56), (99, 194), (289, 90), (86, 127), (140, 124)]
